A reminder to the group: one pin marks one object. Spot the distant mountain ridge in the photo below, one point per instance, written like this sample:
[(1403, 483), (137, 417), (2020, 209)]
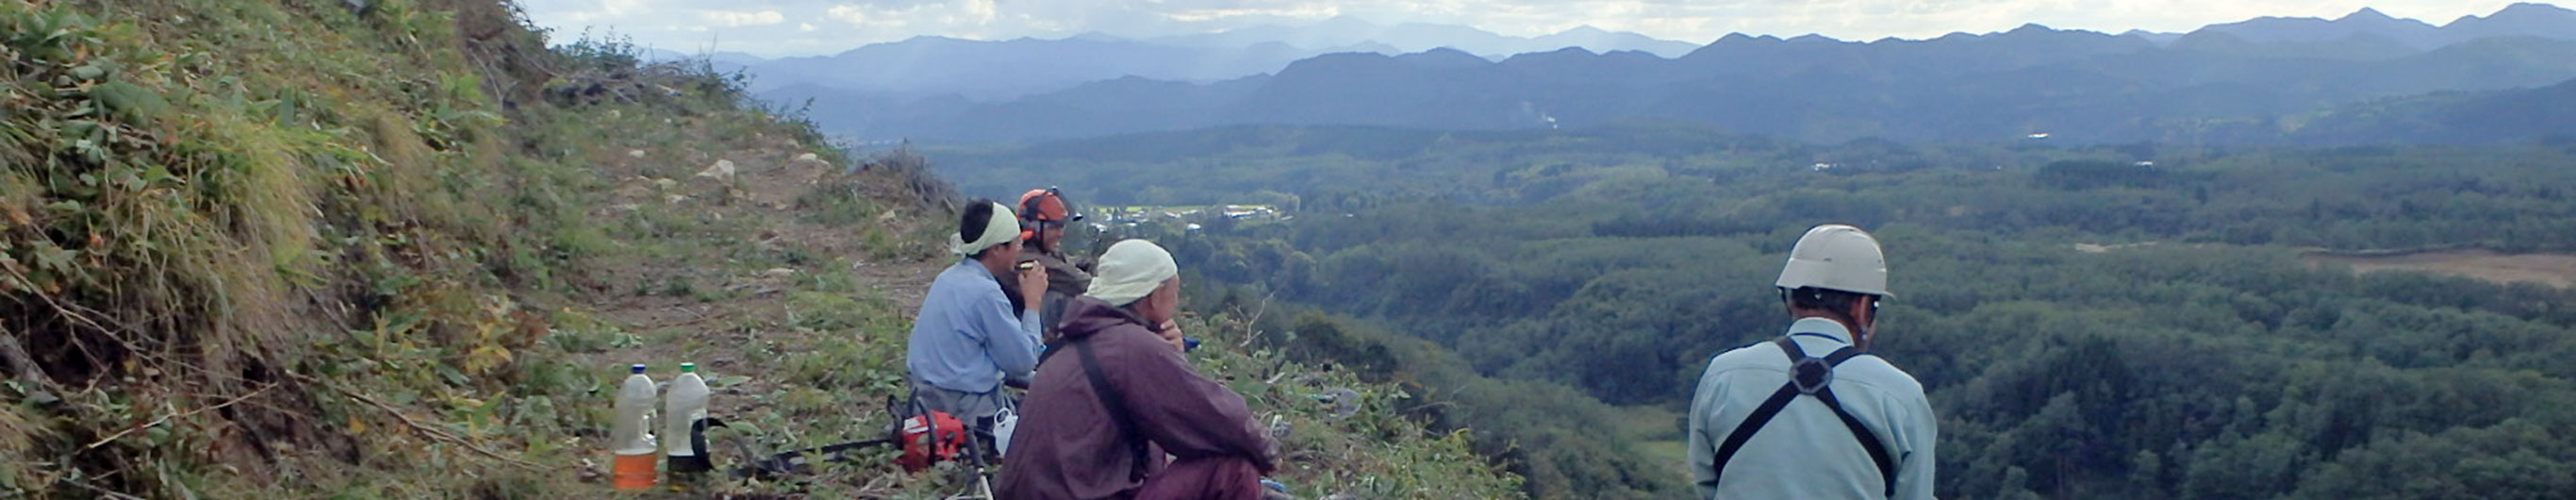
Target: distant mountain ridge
[(931, 66), (2521, 19), (2085, 86)]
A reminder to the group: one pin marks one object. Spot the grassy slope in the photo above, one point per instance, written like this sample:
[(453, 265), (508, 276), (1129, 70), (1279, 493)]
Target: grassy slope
[(262, 248)]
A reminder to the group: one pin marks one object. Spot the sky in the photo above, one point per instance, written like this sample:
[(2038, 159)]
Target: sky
[(772, 28)]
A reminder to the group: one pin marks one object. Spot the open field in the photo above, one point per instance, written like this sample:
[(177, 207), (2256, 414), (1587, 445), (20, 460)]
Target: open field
[(2558, 270)]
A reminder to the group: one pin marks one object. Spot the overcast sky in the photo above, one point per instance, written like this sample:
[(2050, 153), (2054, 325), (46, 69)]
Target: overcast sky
[(807, 27)]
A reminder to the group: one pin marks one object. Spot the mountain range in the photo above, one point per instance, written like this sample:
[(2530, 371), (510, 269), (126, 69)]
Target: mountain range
[(2522, 19), (2258, 80), (984, 70)]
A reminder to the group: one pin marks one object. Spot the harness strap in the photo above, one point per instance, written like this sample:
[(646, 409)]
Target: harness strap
[(1117, 405), (1810, 376)]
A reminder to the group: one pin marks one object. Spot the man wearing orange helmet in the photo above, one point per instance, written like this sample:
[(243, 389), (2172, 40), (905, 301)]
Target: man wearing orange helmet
[(1043, 216)]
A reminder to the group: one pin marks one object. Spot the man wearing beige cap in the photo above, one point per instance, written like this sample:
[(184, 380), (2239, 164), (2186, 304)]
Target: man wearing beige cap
[(1102, 417)]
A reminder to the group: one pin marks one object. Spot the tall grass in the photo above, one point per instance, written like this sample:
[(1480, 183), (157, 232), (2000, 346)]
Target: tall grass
[(240, 236)]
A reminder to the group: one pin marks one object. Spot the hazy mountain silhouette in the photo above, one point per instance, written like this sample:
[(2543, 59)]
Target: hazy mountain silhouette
[(924, 67), (2450, 117), (2522, 19), (1416, 37), (2223, 83)]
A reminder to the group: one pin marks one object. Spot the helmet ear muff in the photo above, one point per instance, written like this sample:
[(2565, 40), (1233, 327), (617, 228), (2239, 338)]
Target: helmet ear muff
[(1029, 218), (1029, 208)]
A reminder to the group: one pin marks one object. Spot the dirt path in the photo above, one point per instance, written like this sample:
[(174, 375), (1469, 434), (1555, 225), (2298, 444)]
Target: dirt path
[(783, 277)]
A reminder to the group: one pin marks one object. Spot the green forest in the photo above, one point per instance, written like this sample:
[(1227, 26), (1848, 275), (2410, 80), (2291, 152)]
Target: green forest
[(2123, 321)]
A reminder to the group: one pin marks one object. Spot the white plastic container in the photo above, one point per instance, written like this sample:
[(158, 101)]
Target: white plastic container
[(629, 436), (684, 411)]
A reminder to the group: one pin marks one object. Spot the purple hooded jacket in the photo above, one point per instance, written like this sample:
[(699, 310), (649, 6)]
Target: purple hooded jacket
[(1068, 447)]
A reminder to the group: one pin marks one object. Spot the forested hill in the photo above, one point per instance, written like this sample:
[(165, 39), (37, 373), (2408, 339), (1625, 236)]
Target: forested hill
[(2253, 83), (2119, 322)]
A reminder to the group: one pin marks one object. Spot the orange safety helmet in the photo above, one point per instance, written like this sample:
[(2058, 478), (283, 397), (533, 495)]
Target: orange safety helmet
[(1043, 206)]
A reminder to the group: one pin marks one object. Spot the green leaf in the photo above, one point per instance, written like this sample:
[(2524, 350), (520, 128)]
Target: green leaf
[(49, 256), (1250, 388), (729, 381), (158, 435), (132, 103)]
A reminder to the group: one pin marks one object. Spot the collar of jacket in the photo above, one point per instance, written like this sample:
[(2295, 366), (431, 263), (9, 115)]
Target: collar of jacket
[(1820, 327), (1086, 316)]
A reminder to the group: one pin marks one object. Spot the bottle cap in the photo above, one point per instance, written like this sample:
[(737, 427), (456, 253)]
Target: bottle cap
[(637, 369), (688, 367)]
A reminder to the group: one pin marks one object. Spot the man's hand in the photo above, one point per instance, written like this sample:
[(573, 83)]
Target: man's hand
[(1171, 332), (1033, 284)]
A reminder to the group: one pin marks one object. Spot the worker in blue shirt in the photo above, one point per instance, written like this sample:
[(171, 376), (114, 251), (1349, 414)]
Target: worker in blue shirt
[(1808, 415), (977, 329)]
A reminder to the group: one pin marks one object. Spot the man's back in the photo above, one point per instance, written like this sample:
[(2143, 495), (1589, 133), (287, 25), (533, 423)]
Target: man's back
[(1072, 447), (966, 336), (1805, 451)]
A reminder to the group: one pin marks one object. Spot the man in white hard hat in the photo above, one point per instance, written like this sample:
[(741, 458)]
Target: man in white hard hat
[(1808, 415)]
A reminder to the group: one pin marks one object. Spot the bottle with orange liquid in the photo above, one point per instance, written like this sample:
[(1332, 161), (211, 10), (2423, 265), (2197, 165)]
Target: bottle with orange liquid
[(629, 437)]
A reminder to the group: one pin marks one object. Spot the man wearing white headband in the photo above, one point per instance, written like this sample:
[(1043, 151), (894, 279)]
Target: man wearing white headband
[(974, 331), (1103, 416)]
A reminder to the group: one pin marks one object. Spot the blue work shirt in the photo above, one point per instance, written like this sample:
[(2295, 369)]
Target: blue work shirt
[(1806, 452), (966, 337)]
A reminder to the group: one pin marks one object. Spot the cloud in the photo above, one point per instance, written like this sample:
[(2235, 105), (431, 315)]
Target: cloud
[(734, 19), (755, 25), (1309, 11)]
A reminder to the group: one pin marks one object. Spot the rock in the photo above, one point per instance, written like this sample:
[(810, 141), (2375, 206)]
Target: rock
[(674, 199), (665, 184), (721, 170), (635, 153)]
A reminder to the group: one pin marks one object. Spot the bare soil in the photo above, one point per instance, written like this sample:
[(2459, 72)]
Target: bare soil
[(2558, 270), (757, 201)]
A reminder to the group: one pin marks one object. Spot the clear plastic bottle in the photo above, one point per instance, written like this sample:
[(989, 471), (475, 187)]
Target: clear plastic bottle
[(630, 436), (684, 417)]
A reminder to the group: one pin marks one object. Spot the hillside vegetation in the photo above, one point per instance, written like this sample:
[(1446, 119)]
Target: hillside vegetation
[(399, 249)]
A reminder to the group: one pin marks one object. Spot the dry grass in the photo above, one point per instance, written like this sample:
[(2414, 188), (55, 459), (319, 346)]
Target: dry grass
[(244, 257), (2558, 270)]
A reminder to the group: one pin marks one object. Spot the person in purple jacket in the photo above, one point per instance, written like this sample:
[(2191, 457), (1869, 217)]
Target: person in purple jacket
[(1113, 397)]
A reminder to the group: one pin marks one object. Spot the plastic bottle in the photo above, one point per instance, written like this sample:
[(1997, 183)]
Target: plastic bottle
[(630, 437), (684, 419)]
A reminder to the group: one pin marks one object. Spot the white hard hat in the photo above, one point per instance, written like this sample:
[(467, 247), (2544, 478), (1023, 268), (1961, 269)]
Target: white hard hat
[(1836, 257)]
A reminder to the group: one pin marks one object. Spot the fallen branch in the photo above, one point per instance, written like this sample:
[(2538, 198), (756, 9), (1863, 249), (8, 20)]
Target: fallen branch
[(14, 358), (1250, 333), (166, 418), (430, 431)]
